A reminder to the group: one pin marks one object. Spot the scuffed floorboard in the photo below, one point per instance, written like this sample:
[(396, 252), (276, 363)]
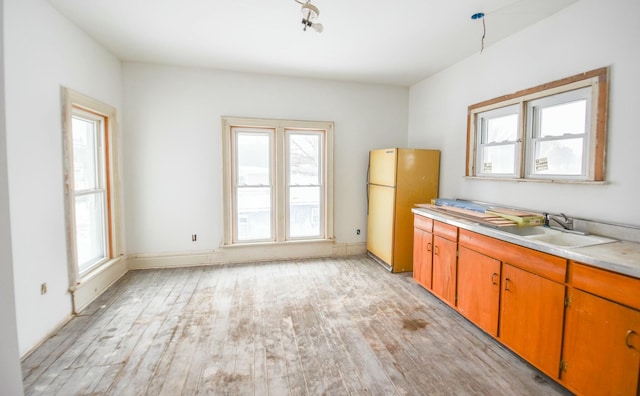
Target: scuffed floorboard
[(308, 327)]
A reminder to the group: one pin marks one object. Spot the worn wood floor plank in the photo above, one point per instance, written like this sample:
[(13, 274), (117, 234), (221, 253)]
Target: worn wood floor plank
[(309, 327)]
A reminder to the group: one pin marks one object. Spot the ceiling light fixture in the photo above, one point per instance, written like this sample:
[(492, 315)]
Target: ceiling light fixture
[(309, 13)]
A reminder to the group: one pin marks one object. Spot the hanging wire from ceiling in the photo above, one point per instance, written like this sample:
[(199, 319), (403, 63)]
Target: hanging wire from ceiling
[(476, 16)]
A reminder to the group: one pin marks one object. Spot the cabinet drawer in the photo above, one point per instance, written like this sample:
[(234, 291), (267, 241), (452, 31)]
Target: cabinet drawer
[(619, 288), (546, 265), (423, 223), (446, 231)]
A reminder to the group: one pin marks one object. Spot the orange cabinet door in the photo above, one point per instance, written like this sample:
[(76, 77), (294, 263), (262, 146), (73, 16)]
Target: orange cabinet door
[(444, 269), (479, 289), (531, 317), (601, 347), (422, 257)]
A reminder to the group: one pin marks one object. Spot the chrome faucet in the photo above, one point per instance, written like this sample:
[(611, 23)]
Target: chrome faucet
[(562, 220)]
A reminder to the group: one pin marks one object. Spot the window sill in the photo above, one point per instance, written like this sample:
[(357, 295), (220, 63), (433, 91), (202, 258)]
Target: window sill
[(554, 181), (98, 269)]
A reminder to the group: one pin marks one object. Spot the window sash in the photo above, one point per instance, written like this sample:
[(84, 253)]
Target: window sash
[(560, 147), (91, 223), (301, 206), (490, 151), (253, 192)]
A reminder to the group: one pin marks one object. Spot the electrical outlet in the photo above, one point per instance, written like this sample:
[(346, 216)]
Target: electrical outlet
[(194, 237), (358, 231), (43, 288)]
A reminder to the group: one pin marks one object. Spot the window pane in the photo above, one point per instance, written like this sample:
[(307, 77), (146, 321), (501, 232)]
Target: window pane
[(498, 159), (559, 157), (254, 159), (304, 159), (304, 212), (567, 118), (501, 129), (85, 161), (90, 229), (254, 213)]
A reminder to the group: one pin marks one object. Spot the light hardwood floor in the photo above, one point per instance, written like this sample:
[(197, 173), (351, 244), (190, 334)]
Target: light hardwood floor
[(317, 326)]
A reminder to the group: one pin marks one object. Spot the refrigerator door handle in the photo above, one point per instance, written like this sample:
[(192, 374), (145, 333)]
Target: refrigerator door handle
[(367, 185)]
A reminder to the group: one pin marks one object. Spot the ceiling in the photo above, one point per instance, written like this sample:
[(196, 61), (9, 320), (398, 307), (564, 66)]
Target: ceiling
[(377, 41)]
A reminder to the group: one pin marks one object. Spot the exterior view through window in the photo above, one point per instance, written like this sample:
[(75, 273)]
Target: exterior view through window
[(90, 189), (278, 173), (554, 132)]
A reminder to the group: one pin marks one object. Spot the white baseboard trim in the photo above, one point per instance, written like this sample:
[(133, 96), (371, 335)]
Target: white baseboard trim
[(56, 328), (246, 253), (97, 282), (94, 284)]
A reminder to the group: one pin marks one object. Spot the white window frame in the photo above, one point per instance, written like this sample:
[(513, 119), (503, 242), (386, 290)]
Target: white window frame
[(592, 85), (481, 124), (288, 132), (280, 212), (238, 184), (76, 103), (533, 132), (101, 188)]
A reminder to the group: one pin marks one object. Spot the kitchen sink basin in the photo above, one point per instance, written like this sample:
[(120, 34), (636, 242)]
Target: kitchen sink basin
[(553, 237)]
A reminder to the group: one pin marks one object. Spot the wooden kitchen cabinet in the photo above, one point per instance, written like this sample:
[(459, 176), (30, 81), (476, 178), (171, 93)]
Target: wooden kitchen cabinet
[(531, 317), (422, 250), (601, 352), (529, 310), (445, 260), (582, 329), (479, 289)]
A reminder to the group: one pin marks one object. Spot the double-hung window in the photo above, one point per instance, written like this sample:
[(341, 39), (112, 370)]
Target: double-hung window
[(499, 142), (91, 194), (560, 127), (278, 180), (554, 132), (90, 203)]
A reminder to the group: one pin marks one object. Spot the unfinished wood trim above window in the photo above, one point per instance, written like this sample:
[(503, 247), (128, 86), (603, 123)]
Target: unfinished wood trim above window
[(594, 148)]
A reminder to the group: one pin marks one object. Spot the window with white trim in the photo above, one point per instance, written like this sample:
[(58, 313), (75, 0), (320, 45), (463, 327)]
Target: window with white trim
[(278, 180), (555, 132), (91, 194)]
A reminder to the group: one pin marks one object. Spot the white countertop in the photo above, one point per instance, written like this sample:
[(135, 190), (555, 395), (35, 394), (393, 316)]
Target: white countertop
[(620, 256)]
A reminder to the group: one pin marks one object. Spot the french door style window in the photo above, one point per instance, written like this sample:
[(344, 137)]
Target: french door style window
[(278, 180), (91, 194)]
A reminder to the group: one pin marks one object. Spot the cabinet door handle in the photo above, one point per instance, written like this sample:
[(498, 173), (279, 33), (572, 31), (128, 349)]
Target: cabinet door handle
[(506, 284), (493, 278), (429, 247), (626, 339), (436, 251)]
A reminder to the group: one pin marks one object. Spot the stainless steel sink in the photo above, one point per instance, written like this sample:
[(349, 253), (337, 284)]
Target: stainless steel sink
[(553, 237)]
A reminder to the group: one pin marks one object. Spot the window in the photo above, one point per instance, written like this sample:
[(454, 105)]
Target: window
[(499, 142), (89, 188), (278, 180), (91, 198), (555, 132)]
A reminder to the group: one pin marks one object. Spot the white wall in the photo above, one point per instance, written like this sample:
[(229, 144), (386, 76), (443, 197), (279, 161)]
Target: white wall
[(44, 51), (587, 35), (173, 167), (10, 375)]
